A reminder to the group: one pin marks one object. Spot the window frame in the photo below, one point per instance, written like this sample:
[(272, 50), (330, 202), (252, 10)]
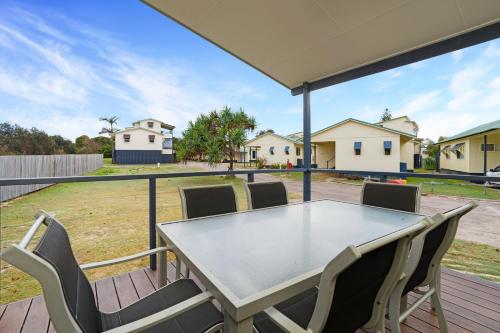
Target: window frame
[(126, 138), (151, 124), (151, 136)]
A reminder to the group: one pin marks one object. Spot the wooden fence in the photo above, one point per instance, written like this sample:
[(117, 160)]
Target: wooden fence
[(29, 166)]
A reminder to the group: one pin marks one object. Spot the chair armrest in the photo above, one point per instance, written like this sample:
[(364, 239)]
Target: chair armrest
[(122, 259), (164, 315), (283, 321)]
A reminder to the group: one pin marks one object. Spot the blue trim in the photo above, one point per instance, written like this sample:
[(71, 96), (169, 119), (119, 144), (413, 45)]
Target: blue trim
[(142, 157), (357, 145), (387, 144)]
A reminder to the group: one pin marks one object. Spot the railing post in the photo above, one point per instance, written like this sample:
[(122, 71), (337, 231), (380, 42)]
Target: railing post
[(250, 178), (152, 221), (307, 142)]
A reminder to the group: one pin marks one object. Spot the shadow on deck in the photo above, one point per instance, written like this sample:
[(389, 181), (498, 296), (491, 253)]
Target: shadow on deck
[(471, 304)]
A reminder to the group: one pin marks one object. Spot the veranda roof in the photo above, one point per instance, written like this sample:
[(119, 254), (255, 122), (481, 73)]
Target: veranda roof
[(325, 42)]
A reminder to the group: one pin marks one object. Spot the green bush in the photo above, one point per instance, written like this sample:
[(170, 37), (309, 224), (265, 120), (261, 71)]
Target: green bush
[(261, 163), (429, 163)]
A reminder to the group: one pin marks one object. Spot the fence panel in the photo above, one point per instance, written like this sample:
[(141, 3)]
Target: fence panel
[(29, 166)]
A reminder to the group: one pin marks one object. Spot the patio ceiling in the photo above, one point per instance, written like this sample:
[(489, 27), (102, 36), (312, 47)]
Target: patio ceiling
[(326, 42)]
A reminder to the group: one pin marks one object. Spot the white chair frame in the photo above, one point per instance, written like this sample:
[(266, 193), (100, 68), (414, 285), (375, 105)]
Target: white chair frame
[(19, 256), (398, 310)]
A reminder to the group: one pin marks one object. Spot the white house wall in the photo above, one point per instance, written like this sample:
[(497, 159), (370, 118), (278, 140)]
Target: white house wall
[(266, 141), (139, 140)]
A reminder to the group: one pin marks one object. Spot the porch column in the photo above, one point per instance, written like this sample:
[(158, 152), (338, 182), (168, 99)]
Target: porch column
[(485, 154), (307, 142)]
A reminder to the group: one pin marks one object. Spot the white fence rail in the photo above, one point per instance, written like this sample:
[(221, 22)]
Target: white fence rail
[(28, 166)]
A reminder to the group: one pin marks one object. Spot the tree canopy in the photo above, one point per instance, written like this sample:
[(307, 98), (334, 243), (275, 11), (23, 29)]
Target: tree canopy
[(216, 136), (386, 115), (262, 132)]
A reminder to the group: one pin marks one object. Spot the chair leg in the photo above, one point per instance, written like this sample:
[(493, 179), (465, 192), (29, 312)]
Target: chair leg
[(403, 304), (380, 328), (436, 303), (177, 268), (437, 286), (394, 312)]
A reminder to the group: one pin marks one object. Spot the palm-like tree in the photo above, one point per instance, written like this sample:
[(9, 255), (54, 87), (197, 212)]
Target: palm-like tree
[(111, 130)]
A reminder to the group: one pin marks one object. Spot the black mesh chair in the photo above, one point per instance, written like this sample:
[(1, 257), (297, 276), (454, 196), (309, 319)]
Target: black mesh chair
[(266, 194), (179, 307), (393, 196), (201, 201), (423, 267), (353, 290)]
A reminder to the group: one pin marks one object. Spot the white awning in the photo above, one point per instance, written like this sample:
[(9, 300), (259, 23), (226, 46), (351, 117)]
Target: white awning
[(325, 42)]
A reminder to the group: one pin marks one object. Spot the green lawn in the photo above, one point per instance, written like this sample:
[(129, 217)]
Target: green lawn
[(104, 219)]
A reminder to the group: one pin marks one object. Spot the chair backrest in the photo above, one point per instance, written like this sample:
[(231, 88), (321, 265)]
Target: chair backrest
[(67, 292), (200, 201), (429, 248), (355, 286), (266, 194), (393, 196)]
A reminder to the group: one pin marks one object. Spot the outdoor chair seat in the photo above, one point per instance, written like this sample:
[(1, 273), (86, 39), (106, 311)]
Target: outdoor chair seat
[(199, 319), (392, 196), (266, 194)]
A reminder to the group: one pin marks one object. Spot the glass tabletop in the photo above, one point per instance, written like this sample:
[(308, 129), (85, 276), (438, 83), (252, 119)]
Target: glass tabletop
[(250, 252)]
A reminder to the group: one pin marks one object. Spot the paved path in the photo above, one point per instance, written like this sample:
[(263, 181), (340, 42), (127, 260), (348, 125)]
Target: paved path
[(482, 225)]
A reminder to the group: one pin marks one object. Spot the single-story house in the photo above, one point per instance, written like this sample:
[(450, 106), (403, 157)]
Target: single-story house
[(275, 149), (465, 152), (351, 144), (148, 141)]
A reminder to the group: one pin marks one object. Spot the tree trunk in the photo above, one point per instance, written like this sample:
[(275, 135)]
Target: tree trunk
[(231, 160)]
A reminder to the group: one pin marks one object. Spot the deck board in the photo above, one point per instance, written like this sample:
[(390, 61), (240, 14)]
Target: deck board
[(470, 304)]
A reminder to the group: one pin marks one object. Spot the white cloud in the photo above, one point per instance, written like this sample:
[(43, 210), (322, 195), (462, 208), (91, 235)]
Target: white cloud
[(418, 65), (457, 55), (75, 70), (421, 102), (436, 124)]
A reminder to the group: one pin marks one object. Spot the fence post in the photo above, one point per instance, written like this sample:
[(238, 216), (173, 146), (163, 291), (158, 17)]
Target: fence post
[(152, 221), (250, 178)]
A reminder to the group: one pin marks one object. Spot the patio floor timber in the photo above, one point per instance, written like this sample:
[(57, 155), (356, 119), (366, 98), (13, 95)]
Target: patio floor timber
[(470, 303)]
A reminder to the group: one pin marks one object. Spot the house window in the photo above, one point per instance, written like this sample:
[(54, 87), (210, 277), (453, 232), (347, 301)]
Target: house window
[(297, 151), (254, 154), (357, 148), (489, 147), (387, 147), (152, 138), (271, 150), (151, 124), (287, 150), (458, 150), (126, 137)]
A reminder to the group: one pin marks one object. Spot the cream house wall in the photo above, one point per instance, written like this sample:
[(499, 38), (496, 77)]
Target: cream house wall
[(325, 151), (452, 162), (372, 150), (477, 155), (144, 124), (139, 140), (407, 152), (402, 124), (266, 141)]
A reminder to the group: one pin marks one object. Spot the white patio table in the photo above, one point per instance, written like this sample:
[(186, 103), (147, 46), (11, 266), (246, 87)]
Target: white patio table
[(252, 260)]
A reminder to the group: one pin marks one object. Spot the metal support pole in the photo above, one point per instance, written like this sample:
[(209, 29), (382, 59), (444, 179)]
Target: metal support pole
[(152, 221), (307, 141), (485, 154), (250, 178), (437, 157)]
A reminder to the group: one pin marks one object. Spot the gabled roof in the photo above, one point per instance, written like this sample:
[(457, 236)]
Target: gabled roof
[(277, 136), (365, 124), (484, 128), (163, 125), (327, 42), (296, 136)]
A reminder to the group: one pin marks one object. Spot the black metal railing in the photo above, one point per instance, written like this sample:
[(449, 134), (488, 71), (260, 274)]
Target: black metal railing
[(250, 178)]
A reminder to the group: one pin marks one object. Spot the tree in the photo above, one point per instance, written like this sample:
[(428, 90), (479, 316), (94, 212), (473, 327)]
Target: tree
[(105, 145), (386, 115), (111, 130), (262, 132), (216, 136), (84, 145)]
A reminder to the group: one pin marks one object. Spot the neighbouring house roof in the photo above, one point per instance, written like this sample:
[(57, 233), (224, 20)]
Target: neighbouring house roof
[(277, 136), (129, 129), (365, 124), (484, 128), (327, 42), (296, 136), (163, 125), (407, 119)]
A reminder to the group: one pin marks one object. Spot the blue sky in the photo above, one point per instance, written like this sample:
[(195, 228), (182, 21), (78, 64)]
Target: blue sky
[(63, 64)]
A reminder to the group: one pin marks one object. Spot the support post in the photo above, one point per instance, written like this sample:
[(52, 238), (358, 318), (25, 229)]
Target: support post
[(250, 178), (485, 154), (152, 221), (437, 157), (307, 141)]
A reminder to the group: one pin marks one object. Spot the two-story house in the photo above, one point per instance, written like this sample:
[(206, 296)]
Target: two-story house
[(147, 141)]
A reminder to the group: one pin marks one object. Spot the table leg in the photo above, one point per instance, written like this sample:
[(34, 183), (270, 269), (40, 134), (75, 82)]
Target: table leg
[(162, 264), (231, 326)]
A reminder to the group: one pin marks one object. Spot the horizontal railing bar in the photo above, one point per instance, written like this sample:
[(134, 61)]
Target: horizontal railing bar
[(73, 179), (409, 174)]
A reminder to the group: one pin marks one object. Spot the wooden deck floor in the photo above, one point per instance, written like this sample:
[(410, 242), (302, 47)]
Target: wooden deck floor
[(471, 304)]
